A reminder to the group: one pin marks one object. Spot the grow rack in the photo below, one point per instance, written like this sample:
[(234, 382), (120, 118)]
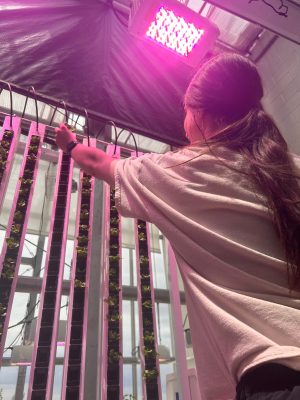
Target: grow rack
[(44, 351), (16, 229)]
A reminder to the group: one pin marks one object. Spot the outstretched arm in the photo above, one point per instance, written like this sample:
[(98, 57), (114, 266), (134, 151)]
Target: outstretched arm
[(93, 161)]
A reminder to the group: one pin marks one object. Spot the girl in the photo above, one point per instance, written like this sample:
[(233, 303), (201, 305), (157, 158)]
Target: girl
[(229, 203)]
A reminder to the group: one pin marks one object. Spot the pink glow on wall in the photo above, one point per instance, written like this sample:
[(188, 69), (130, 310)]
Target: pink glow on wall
[(174, 32)]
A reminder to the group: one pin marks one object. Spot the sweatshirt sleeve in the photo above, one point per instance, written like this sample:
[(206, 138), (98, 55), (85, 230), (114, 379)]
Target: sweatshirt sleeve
[(133, 184)]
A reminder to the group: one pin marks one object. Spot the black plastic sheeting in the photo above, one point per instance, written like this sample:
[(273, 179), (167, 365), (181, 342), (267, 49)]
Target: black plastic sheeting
[(79, 52)]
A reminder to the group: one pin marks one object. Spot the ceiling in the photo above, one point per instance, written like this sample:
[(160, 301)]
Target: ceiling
[(82, 53)]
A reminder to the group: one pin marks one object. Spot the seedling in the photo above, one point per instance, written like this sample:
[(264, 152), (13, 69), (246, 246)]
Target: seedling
[(114, 232), (114, 317), (129, 397), (114, 220), (111, 301), (144, 260), (84, 213), (147, 304), (145, 276), (33, 148), (9, 263), (12, 243), (18, 216), (21, 203), (31, 157), (114, 356), (149, 337), (150, 374), (26, 182), (2, 164), (146, 289), (113, 336), (8, 133), (35, 139), (5, 144), (81, 251), (114, 259), (79, 284), (84, 227), (86, 180), (142, 237), (86, 191), (82, 240), (150, 352), (24, 191), (16, 228), (112, 273), (2, 310), (148, 323), (7, 273), (114, 286)]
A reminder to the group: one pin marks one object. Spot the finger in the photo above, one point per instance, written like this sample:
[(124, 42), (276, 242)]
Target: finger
[(63, 127)]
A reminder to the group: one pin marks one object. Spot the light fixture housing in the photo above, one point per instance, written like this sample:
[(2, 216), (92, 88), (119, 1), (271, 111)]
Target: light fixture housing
[(174, 26)]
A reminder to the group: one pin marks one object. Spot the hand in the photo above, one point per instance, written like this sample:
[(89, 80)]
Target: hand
[(63, 137)]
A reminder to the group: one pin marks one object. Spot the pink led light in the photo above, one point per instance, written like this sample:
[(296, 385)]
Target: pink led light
[(174, 32)]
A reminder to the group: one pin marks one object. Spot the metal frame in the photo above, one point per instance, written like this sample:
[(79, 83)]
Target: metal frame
[(95, 116)]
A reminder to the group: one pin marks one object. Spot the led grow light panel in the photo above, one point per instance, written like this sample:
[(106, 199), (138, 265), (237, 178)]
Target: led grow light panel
[(173, 26), (173, 31)]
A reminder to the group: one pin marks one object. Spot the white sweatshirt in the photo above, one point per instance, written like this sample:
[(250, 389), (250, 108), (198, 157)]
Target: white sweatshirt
[(240, 310)]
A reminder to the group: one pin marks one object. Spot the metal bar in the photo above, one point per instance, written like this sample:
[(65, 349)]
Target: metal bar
[(96, 116), (16, 228), (44, 352), (94, 330), (140, 312), (151, 383), (80, 281), (49, 135), (177, 323), (6, 159), (104, 291)]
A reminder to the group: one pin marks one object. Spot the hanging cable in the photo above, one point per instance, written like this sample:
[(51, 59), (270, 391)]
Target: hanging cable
[(132, 135), (87, 126), (36, 108), (78, 116), (24, 108), (67, 116), (66, 113), (24, 320), (52, 117)]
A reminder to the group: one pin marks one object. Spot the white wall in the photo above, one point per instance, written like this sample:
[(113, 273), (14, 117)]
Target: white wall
[(280, 71)]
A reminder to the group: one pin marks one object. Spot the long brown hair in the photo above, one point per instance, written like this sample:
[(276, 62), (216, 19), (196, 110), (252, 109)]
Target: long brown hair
[(228, 89)]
